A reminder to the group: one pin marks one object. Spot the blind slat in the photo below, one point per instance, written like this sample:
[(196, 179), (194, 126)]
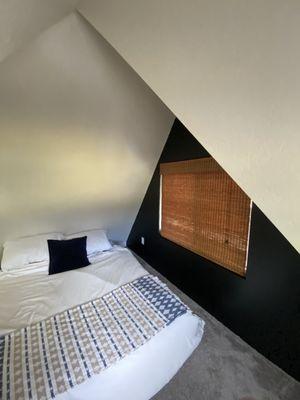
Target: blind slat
[(205, 211)]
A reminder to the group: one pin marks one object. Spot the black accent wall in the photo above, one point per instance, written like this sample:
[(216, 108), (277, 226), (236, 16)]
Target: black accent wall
[(264, 307)]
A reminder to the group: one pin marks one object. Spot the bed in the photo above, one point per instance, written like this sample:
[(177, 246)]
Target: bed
[(31, 297)]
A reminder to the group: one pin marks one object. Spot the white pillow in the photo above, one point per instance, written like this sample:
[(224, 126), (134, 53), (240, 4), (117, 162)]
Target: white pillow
[(96, 240), (33, 268), (22, 252)]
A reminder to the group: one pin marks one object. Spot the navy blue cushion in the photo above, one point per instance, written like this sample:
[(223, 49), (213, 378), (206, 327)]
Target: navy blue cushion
[(66, 255)]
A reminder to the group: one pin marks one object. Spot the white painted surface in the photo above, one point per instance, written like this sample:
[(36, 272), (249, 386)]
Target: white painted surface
[(22, 20), (230, 71), (80, 135)]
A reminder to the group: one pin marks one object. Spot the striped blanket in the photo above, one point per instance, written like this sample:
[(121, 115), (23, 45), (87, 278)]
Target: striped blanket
[(52, 356)]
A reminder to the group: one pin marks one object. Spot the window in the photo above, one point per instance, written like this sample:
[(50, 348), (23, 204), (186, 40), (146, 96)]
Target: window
[(205, 211)]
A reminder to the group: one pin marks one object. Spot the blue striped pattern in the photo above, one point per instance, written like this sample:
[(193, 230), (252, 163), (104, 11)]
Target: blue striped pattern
[(165, 302), (2, 346), (27, 364), (46, 361)]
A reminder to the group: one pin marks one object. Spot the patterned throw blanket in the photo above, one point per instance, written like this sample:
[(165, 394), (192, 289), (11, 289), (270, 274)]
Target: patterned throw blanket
[(53, 355)]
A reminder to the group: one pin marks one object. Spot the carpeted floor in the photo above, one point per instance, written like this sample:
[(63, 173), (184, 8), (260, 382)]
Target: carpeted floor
[(224, 367)]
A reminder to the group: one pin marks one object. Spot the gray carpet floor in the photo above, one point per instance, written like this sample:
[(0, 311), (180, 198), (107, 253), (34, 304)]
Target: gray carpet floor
[(224, 367)]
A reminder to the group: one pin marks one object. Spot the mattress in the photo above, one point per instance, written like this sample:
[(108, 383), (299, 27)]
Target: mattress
[(31, 297)]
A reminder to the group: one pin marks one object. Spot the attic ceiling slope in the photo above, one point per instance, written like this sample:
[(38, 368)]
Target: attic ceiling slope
[(230, 72), (22, 20), (77, 125)]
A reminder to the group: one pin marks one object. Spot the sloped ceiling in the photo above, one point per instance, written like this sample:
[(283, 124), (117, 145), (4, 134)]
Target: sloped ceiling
[(22, 20), (80, 135), (229, 70)]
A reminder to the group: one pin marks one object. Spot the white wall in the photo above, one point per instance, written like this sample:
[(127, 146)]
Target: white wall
[(230, 71), (80, 134), (22, 20)]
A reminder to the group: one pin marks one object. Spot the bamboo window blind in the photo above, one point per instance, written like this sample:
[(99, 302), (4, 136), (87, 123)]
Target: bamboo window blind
[(205, 211)]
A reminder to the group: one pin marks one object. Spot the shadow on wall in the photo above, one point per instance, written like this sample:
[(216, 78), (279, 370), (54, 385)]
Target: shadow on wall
[(116, 219)]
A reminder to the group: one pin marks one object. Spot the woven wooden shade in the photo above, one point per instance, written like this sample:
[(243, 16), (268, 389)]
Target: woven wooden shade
[(205, 211)]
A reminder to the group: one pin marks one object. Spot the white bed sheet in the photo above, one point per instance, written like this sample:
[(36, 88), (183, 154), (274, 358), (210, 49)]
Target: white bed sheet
[(28, 298)]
